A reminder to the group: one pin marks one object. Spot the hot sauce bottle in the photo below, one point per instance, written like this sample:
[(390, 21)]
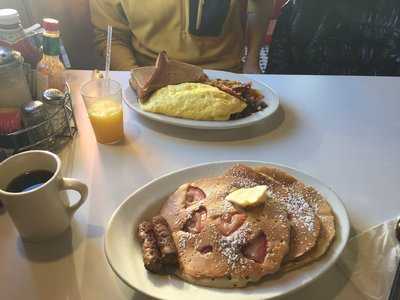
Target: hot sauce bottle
[(50, 70)]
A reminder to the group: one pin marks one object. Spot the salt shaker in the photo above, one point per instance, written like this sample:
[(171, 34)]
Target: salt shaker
[(54, 100)]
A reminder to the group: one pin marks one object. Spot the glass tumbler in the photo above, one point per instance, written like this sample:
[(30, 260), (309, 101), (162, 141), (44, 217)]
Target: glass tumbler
[(103, 103)]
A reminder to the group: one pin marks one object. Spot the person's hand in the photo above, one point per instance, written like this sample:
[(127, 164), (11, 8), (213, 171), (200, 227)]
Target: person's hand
[(251, 66)]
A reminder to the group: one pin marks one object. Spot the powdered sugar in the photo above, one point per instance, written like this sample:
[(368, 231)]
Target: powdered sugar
[(226, 206), (184, 238), (231, 246), (242, 182), (297, 207)]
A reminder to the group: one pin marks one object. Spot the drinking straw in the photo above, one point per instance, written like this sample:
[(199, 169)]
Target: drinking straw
[(199, 14), (108, 56)]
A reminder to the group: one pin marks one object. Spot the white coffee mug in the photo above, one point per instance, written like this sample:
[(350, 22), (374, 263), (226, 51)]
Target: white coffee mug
[(43, 212)]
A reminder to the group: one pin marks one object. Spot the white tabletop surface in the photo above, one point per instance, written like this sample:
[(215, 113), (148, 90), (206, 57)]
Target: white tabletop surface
[(343, 130)]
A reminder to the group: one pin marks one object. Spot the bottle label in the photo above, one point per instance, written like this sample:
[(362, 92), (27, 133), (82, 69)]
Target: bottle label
[(51, 46), (42, 84), (12, 36)]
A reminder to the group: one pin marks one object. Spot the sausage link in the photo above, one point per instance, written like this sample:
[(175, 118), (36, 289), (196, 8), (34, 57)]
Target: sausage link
[(169, 254), (151, 253)]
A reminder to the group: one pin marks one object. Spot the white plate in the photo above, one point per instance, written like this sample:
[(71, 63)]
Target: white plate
[(270, 98), (124, 253)]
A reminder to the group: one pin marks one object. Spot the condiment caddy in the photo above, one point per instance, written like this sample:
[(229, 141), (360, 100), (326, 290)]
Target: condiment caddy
[(35, 105), (48, 124)]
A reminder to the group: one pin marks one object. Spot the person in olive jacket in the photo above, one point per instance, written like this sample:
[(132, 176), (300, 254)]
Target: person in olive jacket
[(208, 33)]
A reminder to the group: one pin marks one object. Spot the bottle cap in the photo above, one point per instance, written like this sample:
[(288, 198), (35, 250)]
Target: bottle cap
[(9, 16), (54, 96), (32, 107), (50, 24)]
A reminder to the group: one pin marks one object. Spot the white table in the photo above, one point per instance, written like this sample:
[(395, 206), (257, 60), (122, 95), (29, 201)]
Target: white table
[(343, 130)]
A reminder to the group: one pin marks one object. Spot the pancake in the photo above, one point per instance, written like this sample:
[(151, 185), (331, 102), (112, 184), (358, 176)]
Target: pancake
[(220, 245), (321, 208), (276, 174), (305, 225)]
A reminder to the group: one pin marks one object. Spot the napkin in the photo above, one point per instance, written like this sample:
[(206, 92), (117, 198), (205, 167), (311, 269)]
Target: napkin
[(370, 260)]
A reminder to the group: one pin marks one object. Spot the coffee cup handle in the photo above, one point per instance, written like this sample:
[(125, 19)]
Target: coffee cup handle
[(81, 188)]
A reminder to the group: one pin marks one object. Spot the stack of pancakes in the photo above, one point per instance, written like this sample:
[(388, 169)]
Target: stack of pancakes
[(223, 245)]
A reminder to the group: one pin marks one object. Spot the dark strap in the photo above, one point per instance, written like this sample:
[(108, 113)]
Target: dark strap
[(395, 290), (243, 14)]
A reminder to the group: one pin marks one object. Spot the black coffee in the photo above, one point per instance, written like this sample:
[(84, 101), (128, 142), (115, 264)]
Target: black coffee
[(29, 181)]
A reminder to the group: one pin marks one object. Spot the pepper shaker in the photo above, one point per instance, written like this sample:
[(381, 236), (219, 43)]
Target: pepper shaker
[(35, 114)]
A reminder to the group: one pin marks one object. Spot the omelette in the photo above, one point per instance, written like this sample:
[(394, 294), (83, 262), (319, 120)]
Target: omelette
[(196, 101)]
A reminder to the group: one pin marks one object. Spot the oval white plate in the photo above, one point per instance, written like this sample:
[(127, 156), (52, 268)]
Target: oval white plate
[(124, 252), (271, 98)]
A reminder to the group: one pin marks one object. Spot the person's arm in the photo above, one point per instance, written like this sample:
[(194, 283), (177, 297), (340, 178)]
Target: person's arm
[(259, 13), (110, 12)]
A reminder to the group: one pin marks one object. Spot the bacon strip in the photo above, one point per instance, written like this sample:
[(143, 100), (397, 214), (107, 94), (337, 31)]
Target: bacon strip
[(256, 249), (194, 194), (243, 91), (228, 223), (197, 221)]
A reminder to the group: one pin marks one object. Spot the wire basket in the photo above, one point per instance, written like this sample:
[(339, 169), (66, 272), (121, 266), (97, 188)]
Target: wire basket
[(51, 134)]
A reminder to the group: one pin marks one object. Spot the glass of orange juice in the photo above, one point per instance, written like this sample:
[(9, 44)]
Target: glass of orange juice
[(103, 104)]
